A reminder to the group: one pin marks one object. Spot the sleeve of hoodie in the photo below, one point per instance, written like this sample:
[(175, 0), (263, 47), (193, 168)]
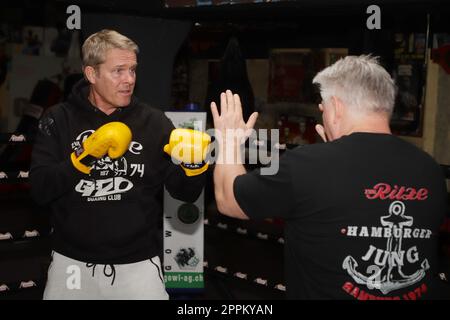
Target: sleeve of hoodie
[(179, 185), (51, 174)]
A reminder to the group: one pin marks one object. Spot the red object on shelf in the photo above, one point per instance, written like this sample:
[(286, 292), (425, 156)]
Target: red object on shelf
[(8, 188), (441, 56), (278, 221), (445, 227)]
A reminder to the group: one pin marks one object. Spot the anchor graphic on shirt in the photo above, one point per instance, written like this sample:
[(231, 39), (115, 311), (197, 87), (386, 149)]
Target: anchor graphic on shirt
[(389, 276)]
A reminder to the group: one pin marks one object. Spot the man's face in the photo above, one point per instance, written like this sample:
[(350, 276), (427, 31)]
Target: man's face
[(115, 79)]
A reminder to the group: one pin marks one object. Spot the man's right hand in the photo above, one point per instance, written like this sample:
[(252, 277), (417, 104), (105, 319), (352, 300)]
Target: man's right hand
[(230, 117), (113, 138)]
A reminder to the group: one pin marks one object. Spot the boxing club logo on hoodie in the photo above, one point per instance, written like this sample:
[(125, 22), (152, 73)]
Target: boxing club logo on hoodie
[(384, 268), (108, 178)]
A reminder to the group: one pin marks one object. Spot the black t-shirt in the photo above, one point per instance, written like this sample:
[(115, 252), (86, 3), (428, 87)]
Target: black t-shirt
[(362, 215)]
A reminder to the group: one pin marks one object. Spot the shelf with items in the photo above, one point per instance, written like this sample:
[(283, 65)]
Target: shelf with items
[(295, 122)]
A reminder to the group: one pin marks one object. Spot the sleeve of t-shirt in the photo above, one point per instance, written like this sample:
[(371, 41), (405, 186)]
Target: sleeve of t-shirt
[(265, 196)]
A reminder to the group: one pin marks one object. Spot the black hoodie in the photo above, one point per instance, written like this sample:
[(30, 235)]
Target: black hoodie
[(110, 216)]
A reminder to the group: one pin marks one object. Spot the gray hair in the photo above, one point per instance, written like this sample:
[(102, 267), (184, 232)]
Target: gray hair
[(95, 47), (360, 82)]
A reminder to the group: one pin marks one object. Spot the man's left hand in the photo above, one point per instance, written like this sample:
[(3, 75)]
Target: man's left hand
[(230, 117)]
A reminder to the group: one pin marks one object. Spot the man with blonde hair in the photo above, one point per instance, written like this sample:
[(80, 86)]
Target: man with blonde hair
[(98, 161), (362, 211)]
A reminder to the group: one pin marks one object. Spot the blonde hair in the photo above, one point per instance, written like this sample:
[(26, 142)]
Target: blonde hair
[(360, 82), (95, 47)]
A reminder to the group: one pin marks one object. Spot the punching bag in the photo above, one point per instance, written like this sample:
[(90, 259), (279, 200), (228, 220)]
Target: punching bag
[(233, 76)]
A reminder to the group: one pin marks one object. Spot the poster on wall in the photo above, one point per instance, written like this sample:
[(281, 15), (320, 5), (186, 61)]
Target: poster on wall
[(183, 226), (291, 72)]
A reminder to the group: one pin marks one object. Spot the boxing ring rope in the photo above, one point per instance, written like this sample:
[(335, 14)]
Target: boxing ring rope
[(32, 237)]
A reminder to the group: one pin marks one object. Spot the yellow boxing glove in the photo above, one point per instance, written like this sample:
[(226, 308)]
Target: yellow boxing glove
[(112, 138), (190, 148)]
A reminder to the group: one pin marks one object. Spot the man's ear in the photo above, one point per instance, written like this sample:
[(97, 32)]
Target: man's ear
[(338, 108), (89, 73)]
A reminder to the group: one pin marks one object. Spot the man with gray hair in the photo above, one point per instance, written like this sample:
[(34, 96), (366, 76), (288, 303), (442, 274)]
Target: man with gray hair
[(362, 211), (361, 94)]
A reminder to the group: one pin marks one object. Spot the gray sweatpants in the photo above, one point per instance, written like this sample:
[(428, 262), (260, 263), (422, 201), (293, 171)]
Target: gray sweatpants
[(70, 279)]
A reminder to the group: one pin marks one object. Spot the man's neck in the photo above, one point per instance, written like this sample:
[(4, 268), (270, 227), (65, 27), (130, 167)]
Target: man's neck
[(95, 101), (370, 124)]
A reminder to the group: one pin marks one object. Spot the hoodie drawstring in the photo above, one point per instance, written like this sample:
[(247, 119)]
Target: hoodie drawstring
[(111, 274)]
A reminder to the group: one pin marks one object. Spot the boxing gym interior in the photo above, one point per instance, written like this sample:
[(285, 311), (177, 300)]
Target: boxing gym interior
[(271, 50)]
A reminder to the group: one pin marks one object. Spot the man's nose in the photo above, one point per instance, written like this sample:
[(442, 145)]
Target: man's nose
[(130, 77)]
